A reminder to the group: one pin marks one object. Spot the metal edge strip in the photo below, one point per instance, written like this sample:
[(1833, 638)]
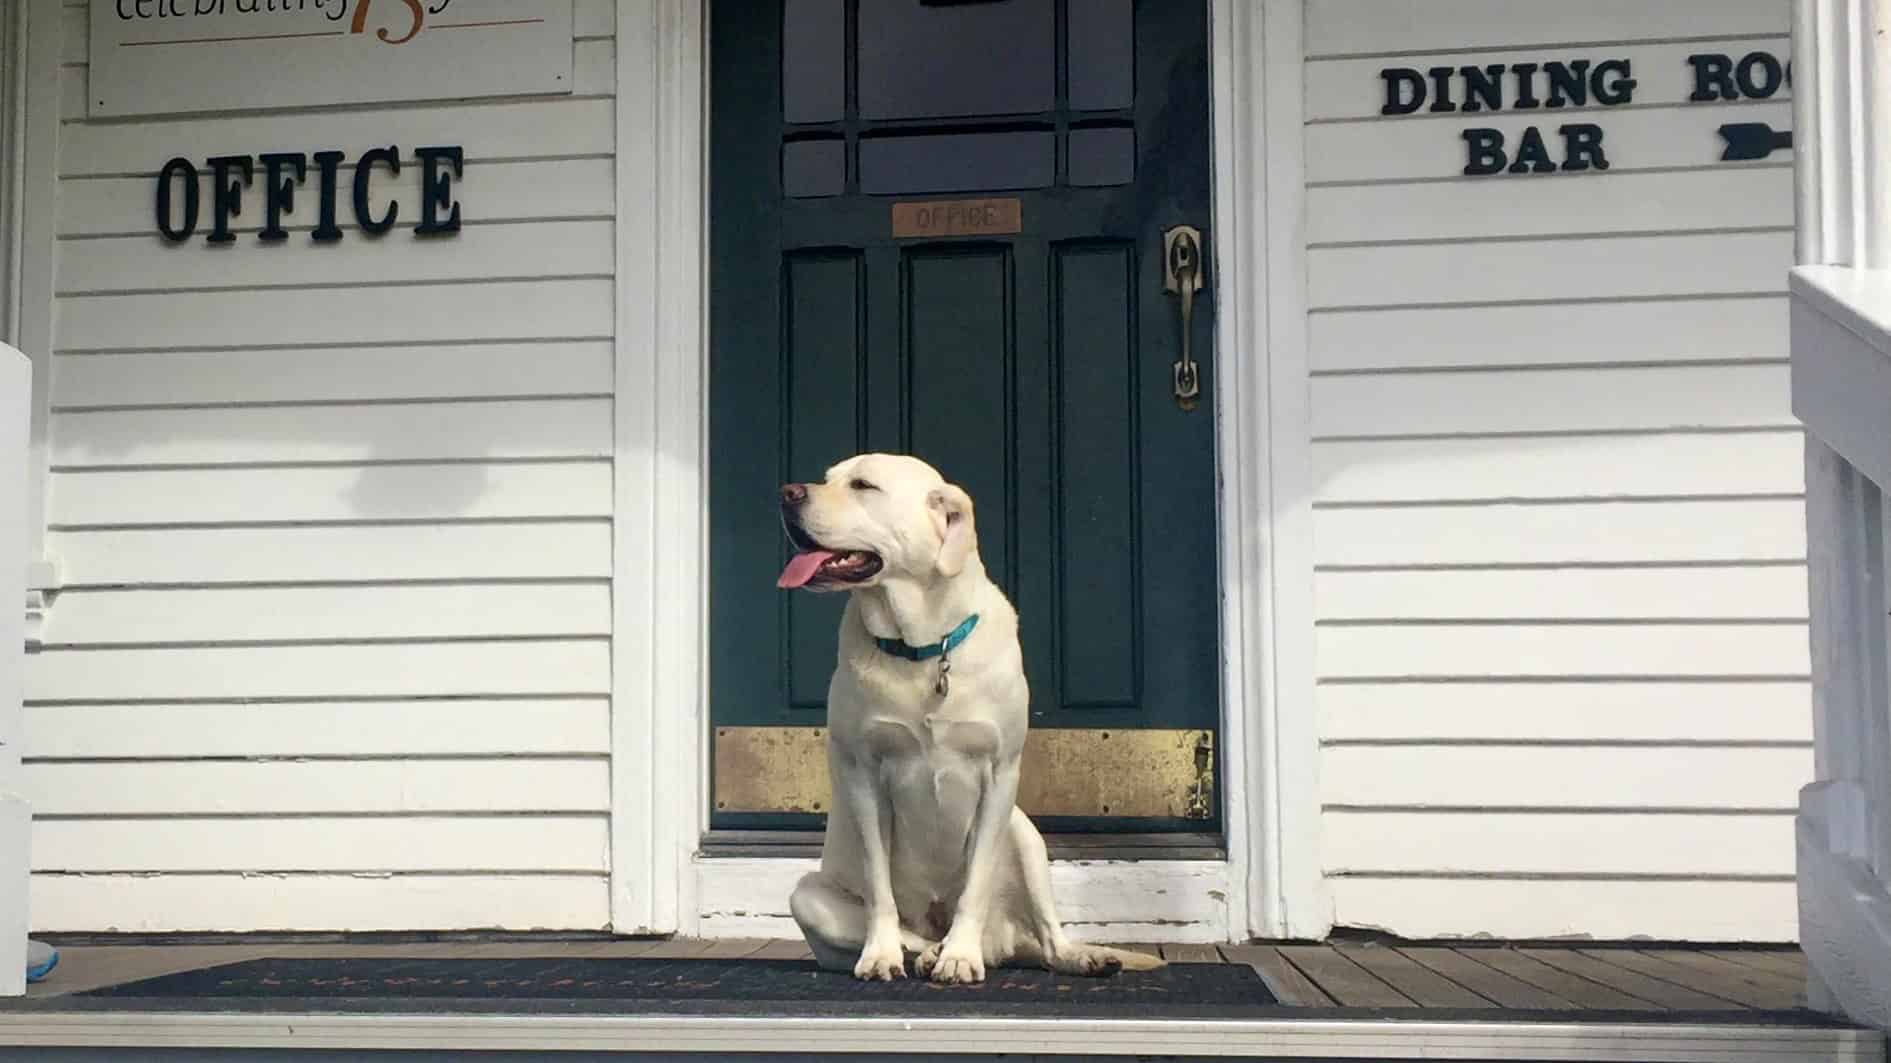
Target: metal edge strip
[(1414, 1038)]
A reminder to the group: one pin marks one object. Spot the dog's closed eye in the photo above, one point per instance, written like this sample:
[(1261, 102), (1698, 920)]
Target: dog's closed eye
[(862, 485)]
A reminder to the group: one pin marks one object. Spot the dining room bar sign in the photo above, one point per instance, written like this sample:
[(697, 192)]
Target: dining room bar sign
[(194, 56), (1566, 104)]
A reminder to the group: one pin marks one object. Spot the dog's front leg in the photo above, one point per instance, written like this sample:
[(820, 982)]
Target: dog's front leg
[(881, 958), (961, 956)]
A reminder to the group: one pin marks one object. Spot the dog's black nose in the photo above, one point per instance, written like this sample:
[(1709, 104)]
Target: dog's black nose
[(794, 494)]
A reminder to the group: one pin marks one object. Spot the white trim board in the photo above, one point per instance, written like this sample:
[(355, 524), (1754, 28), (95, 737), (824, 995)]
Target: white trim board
[(36, 169), (659, 780), (924, 1038), (1271, 884)]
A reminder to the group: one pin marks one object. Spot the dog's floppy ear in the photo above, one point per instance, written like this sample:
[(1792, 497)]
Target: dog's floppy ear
[(951, 510)]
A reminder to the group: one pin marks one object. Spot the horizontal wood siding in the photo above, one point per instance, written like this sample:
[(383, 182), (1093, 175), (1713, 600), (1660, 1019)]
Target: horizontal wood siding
[(334, 528), (1559, 531)]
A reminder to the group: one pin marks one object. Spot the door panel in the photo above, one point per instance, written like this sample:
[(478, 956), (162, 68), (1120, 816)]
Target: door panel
[(1098, 611), (1035, 368)]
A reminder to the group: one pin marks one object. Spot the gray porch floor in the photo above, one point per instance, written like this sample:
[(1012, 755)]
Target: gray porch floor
[(1392, 977), (1343, 1000)]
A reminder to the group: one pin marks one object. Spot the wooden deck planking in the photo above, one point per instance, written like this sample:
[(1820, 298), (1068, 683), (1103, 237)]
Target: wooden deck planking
[(1426, 987), (1790, 964), (1781, 991), (1350, 985), (1507, 991), (1655, 990), (678, 949), (1191, 954), (1289, 985), (1714, 982), (784, 950), (1582, 992)]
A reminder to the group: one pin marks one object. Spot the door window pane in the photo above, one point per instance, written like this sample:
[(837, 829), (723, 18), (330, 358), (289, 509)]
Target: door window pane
[(957, 162), (813, 168), (813, 60), (1104, 156), (1102, 51), (937, 58)]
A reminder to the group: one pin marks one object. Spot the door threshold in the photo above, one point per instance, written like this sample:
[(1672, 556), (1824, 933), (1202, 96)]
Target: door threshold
[(730, 844)]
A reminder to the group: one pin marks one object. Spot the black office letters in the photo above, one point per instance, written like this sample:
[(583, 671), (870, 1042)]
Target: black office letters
[(179, 206)]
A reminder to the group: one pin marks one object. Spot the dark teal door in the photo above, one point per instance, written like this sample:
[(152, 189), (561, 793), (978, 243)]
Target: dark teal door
[(937, 227)]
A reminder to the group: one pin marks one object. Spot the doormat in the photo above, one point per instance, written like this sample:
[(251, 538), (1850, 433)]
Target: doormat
[(764, 985)]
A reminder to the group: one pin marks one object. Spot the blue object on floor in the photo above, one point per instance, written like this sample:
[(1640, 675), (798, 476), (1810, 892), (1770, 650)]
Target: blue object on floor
[(41, 958)]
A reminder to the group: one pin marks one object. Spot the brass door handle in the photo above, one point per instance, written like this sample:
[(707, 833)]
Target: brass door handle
[(1182, 275)]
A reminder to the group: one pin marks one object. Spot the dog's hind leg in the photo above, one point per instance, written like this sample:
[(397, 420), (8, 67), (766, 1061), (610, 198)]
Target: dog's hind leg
[(834, 923), (1052, 948)]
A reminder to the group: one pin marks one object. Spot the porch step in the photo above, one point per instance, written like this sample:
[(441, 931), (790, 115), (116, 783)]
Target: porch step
[(26, 1035)]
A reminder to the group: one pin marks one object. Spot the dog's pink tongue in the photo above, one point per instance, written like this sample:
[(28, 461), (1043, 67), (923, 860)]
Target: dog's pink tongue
[(802, 567)]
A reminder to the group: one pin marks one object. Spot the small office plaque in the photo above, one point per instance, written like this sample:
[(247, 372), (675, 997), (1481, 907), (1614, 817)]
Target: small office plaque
[(958, 217)]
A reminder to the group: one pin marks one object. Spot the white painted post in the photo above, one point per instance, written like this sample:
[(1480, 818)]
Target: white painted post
[(16, 376), (1841, 352)]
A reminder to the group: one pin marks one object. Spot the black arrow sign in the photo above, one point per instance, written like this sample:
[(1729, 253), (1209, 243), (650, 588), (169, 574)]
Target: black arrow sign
[(1753, 140)]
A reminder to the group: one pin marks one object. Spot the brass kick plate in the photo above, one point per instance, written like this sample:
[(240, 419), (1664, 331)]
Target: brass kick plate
[(1067, 772)]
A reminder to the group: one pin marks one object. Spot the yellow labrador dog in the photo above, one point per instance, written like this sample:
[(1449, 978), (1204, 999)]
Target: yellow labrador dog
[(926, 851)]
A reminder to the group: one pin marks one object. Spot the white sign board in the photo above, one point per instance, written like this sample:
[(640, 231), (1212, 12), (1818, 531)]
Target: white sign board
[(183, 56)]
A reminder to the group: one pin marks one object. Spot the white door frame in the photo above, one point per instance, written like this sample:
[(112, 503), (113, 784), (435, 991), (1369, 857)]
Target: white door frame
[(1271, 884)]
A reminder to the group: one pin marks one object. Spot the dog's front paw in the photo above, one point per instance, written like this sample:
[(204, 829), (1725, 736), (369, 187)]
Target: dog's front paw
[(957, 966), (880, 963), (927, 960)]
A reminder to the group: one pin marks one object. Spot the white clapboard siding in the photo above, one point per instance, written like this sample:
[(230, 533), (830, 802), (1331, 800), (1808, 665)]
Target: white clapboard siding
[(1627, 777), (1371, 27), (538, 128), (1561, 534), (1558, 530), (405, 313), (304, 614), (371, 843), (443, 727), (425, 431), (313, 787), (1604, 466), (487, 192), (1547, 843), (1673, 330), (349, 502), (169, 556), (418, 669), (333, 493), (336, 374), (1538, 909), (526, 249), (1607, 267), (1681, 136), (1555, 400), (1738, 197), (238, 902), (1463, 650), (1708, 592), (1339, 89), (1551, 711)]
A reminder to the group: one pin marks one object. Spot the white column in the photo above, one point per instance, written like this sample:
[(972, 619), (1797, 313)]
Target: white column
[(15, 818), (1842, 151)]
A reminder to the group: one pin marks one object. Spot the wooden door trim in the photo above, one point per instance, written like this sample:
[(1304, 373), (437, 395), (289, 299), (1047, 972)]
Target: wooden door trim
[(1272, 882), (659, 705), (1270, 728)]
